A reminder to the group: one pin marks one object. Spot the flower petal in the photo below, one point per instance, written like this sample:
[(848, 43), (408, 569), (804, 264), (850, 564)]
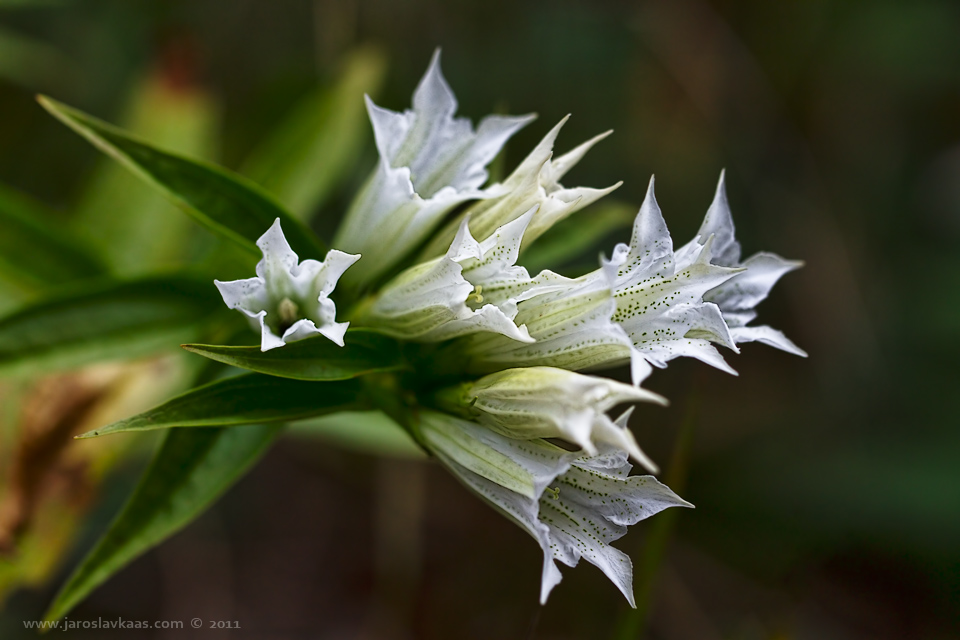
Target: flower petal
[(248, 295), (768, 336), (429, 302), (523, 467), (595, 503), (546, 402), (591, 506), (717, 223), (289, 297), (534, 183), (660, 303), (570, 322), (278, 258), (738, 297), (746, 290), (430, 162), (650, 252)]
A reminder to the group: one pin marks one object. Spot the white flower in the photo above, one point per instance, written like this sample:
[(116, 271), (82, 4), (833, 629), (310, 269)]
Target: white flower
[(738, 296), (429, 163), (535, 182), (545, 402), (574, 506), (474, 287), (570, 320), (289, 299), (640, 307), (660, 301)]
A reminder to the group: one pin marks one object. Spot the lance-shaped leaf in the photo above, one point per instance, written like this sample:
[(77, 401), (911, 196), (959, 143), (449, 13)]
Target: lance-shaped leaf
[(248, 399), (34, 250), (319, 143), (192, 468), (224, 202), (314, 358), (135, 228), (105, 321)]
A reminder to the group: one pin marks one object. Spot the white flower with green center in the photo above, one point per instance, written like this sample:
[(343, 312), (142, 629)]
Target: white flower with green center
[(430, 162), (574, 506), (640, 306), (738, 296), (474, 288), (545, 402), (535, 182), (660, 301), (289, 299)]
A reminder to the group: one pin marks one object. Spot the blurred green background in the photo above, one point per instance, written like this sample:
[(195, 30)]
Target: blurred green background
[(827, 489)]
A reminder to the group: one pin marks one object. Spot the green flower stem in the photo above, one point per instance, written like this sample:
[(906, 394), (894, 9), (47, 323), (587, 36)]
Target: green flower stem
[(384, 391)]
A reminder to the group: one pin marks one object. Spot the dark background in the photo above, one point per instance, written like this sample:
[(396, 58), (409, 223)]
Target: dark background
[(827, 489)]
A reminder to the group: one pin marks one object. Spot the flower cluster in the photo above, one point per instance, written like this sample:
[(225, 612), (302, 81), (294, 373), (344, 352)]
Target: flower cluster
[(502, 351)]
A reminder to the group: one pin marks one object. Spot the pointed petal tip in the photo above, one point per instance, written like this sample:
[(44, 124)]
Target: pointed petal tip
[(552, 134), (640, 457), (650, 197), (433, 92), (608, 190), (655, 398), (434, 66), (645, 462)]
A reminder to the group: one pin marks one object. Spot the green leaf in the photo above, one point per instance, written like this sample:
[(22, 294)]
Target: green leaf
[(248, 399), (104, 321), (34, 250), (369, 432), (314, 358), (224, 202), (136, 229), (316, 146), (192, 468), (579, 233)]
